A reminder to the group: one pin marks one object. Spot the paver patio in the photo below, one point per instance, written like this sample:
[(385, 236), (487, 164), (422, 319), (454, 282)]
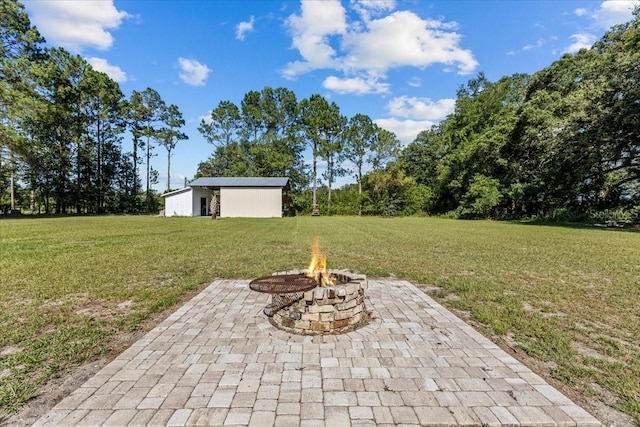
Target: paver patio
[(218, 361)]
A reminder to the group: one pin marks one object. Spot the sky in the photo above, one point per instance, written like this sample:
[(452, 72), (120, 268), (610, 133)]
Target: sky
[(399, 62)]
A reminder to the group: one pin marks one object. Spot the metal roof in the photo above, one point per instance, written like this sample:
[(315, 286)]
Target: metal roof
[(171, 193), (239, 182)]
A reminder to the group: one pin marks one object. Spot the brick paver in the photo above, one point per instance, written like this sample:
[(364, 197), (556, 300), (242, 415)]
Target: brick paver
[(218, 361)]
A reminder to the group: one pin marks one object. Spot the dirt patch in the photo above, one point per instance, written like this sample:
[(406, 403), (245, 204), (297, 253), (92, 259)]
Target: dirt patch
[(10, 349)]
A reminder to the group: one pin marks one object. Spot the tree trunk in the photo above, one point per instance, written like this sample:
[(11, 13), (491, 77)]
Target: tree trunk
[(168, 170), (13, 194), (99, 159), (360, 190), (148, 173), (315, 204), (330, 175), (134, 189)]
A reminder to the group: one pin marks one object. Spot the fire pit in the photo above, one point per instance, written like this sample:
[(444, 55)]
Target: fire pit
[(315, 300)]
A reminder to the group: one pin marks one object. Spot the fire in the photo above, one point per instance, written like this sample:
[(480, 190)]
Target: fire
[(318, 267)]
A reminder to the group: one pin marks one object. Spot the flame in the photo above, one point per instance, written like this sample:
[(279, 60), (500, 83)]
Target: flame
[(318, 267)]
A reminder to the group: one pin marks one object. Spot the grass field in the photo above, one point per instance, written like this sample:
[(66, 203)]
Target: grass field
[(570, 297)]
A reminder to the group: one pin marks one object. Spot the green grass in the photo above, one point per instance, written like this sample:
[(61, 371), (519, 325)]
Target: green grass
[(567, 296)]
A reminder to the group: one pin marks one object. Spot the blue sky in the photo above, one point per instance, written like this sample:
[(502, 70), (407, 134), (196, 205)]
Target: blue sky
[(399, 62)]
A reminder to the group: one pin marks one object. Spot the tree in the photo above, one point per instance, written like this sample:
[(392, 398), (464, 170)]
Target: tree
[(170, 134), (322, 125), (58, 127), (618, 127), (147, 109), (482, 197), (98, 152), (333, 146), (278, 151), (469, 143), (20, 51), (359, 138), (390, 192), (262, 138), (385, 148), (224, 125)]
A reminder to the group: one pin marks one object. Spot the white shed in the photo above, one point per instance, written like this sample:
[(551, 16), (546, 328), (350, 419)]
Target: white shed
[(238, 197)]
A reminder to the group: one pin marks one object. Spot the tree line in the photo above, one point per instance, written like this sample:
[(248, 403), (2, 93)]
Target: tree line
[(562, 142), (270, 131), (62, 125)]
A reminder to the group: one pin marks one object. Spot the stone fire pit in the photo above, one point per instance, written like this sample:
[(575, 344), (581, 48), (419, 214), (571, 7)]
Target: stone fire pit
[(334, 309)]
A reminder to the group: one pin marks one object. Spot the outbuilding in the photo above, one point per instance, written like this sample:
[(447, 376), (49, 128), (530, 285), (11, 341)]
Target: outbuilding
[(250, 197)]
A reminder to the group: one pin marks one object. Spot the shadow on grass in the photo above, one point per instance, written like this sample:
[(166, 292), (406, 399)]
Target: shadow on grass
[(60, 216), (622, 227)]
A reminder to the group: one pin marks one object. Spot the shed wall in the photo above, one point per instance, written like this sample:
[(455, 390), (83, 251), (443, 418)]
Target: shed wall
[(199, 193), (179, 204), (251, 202)]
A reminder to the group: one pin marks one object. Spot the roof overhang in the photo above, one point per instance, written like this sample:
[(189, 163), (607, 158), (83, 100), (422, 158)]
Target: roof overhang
[(174, 192), (240, 182)]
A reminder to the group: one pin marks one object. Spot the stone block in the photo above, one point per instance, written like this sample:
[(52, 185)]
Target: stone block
[(355, 319), (342, 323), (327, 317), (318, 293), (321, 309), (310, 316), (347, 305), (350, 297), (320, 326), (302, 324), (343, 314), (287, 322)]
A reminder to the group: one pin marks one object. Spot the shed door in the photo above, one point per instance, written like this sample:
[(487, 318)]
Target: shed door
[(203, 206)]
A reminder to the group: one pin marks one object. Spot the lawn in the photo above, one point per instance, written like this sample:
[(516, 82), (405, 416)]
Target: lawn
[(569, 297)]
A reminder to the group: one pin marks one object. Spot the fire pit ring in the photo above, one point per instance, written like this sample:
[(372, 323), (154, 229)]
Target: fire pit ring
[(318, 309), (283, 284)]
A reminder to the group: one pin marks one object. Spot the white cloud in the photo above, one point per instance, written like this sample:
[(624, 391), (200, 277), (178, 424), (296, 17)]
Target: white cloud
[(356, 85), (76, 24), (371, 47), (206, 118), (368, 8), (580, 11), (421, 108), (613, 12), (539, 43), (193, 72), (405, 39), (581, 41), (244, 27), (413, 115), (405, 130), (100, 64), (415, 82), (310, 33)]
